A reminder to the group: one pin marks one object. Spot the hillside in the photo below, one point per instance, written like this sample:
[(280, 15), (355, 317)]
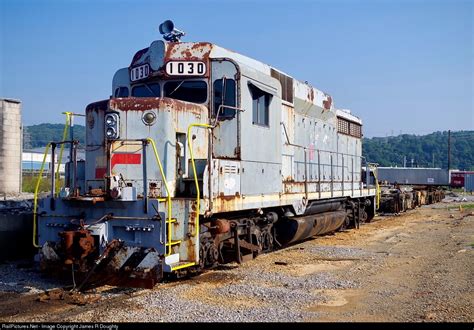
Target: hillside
[(386, 151), (39, 135), (423, 149)]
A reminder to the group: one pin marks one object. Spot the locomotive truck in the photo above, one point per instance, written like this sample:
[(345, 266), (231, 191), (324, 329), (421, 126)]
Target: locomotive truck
[(200, 156)]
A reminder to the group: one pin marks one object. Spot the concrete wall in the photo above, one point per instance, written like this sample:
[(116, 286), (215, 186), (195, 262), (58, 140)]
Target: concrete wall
[(10, 146)]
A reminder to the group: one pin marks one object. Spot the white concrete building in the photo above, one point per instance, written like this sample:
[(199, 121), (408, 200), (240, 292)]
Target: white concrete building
[(10, 146)]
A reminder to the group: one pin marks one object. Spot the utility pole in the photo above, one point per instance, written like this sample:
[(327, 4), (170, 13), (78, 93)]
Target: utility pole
[(449, 150)]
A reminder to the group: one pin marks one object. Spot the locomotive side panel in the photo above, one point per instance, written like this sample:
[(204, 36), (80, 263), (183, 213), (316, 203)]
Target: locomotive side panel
[(260, 130)]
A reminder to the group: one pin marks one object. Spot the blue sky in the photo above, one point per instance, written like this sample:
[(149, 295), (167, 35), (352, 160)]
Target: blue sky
[(402, 66)]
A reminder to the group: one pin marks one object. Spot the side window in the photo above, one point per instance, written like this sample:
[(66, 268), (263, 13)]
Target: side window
[(260, 106), (146, 90), (224, 99), (121, 92)]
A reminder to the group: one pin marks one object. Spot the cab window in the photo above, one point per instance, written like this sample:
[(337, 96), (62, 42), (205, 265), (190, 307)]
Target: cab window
[(146, 90), (121, 92), (186, 90), (227, 98)]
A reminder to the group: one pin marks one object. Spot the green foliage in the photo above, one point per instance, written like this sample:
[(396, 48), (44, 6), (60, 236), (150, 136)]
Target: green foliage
[(464, 206), (29, 181), (39, 135), (389, 151)]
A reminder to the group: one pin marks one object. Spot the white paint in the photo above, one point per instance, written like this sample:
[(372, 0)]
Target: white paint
[(229, 183)]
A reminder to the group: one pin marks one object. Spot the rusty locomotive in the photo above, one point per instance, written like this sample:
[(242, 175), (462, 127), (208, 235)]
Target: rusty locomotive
[(201, 156)]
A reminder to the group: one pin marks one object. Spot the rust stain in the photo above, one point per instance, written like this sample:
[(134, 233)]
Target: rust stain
[(327, 103), (188, 51), (226, 203), (76, 245), (190, 243), (311, 94), (222, 226), (148, 103)]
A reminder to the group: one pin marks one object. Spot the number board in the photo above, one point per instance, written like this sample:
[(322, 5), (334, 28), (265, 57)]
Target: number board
[(185, 68), (139, 72)]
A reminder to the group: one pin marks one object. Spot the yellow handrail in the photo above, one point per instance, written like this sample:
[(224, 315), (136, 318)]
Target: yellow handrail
[(168, 195), (377, 188), (35, 202), (66, 127), (198, 193)]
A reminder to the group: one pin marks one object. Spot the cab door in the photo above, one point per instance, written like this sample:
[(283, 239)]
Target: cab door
[(224, 98)]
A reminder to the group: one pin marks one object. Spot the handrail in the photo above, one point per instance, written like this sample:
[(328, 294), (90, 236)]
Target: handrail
[(198, 193), (305, 148), (314, 149), (66, 128), (168, 194), (222, 106), (377, 186), (35, 200)]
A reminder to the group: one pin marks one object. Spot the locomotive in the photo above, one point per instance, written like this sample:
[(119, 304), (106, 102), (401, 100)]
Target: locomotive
[(200, 156)]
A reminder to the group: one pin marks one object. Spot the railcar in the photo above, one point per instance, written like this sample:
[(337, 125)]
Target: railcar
[(200, 156), (401, 198)]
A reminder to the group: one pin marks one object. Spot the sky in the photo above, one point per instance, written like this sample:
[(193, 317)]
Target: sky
[(401, 66)]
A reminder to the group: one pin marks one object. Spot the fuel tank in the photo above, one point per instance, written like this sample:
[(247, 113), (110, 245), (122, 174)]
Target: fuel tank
[(295, 229)]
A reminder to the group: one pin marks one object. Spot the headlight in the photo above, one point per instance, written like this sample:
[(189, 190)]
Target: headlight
[(149, 118), (110, 120), (110, 132), (112, 126)]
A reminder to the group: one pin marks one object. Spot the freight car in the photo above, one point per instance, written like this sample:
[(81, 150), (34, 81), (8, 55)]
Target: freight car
[(405, 188), (201, 156), (458, 178), (396, 199)]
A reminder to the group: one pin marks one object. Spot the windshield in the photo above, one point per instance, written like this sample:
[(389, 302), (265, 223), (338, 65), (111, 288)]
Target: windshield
[(147, 90), (186, 90), (194, 91)]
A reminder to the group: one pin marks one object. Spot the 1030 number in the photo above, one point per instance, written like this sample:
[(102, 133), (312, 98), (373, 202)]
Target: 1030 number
[(185, 68)]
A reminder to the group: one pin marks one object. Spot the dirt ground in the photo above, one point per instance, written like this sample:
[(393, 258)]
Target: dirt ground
[(426, 273), (413, 267)]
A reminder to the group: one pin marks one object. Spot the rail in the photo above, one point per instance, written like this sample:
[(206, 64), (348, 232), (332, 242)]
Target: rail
[(35, 198), (373, 167), (68, 127), (168, 195), (331, 153), (198, 193), (65, 131)]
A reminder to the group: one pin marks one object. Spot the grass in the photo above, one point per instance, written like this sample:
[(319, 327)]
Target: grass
[(29, 183), (464, 206)]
